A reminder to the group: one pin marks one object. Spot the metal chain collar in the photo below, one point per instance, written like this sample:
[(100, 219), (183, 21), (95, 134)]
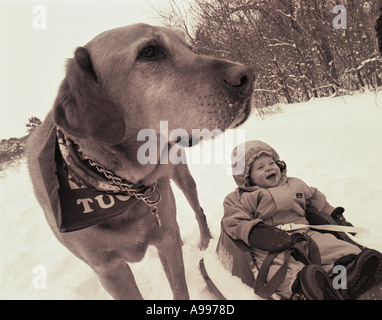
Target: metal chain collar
[(126, 186)]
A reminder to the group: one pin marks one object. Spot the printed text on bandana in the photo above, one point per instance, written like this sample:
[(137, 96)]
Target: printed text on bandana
[(103, 201)]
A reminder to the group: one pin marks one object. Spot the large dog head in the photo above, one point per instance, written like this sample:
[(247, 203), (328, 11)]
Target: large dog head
[(133, 77)]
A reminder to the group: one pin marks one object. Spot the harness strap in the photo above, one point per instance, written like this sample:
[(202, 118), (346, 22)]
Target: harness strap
[(326, 227), (265, 289), (313, 256)]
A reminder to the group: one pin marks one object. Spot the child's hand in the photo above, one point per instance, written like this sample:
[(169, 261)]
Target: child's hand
[(269, 238)]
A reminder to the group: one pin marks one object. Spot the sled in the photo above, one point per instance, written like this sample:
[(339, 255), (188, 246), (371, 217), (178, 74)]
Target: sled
[(233, 259)]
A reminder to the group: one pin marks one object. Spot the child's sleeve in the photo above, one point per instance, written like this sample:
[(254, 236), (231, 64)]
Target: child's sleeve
[(316, 199), (238, 220)]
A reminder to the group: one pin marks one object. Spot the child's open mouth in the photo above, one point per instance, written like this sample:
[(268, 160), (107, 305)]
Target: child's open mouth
[(271, 176)]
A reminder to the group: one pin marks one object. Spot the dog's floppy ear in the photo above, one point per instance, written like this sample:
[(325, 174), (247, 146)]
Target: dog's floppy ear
[(82, 109)]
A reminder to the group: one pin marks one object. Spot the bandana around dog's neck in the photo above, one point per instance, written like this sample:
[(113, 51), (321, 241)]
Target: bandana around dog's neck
[(86, 198)]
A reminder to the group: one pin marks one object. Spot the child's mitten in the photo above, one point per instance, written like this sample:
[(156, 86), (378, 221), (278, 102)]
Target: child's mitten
[(338, 216), (269, 238)]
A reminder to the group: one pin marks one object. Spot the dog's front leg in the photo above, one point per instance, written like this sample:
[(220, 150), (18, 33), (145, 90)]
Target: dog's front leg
[(183, 179), (118, 280), (172, 260)]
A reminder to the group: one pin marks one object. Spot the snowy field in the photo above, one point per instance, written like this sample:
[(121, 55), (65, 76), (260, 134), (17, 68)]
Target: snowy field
[(334, 144)]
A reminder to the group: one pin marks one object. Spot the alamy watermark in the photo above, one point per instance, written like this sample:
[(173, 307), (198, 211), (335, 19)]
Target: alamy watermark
[(39, 21), (340, 280), (340, 20), (39, 281), (170, 146)]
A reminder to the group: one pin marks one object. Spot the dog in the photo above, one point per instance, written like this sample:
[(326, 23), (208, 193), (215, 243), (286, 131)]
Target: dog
[(124, 80)]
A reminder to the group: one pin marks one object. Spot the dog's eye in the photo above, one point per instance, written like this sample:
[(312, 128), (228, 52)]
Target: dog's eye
[(150, 52), (191, 47)]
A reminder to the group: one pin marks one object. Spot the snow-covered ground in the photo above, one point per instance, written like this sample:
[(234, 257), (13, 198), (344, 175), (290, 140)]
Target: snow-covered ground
[(334, 144)]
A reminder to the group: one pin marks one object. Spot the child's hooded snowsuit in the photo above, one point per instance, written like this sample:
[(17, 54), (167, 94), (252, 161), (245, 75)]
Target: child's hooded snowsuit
[(286, 203), (248, 204)]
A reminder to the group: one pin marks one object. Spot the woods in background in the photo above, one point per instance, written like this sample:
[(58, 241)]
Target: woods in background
[(299, 49), (12, 149)]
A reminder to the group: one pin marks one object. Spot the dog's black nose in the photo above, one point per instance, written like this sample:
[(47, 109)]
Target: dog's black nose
[(239, 76)]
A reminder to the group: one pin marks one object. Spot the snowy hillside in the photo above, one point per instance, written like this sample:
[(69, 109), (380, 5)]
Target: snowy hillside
[(334, 144)]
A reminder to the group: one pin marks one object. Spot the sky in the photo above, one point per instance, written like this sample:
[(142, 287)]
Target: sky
[(36, 39)]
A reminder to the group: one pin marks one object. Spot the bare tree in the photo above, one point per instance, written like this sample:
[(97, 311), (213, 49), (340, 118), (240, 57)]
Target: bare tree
[(292, 45)]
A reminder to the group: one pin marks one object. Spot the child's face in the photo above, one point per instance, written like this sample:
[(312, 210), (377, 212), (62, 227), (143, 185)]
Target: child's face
[(265, 172)]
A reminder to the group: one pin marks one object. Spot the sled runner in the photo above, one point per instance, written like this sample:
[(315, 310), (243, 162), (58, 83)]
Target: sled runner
[(235, 257)]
